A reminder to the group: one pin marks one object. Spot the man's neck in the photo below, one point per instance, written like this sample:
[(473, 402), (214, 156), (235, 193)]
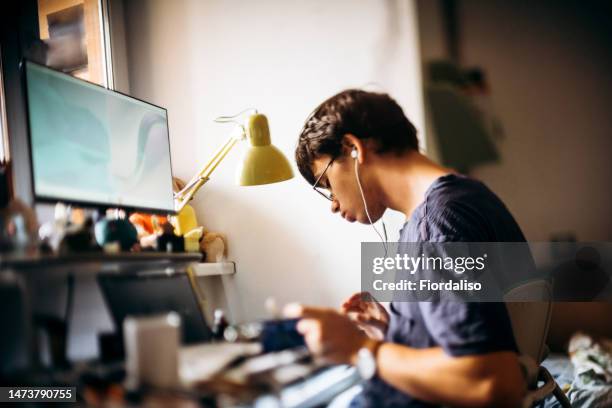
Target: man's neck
[(404, 180)]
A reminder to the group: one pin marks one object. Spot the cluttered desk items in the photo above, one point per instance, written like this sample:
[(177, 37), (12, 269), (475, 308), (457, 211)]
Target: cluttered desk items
[(229, 373), (92, 147)]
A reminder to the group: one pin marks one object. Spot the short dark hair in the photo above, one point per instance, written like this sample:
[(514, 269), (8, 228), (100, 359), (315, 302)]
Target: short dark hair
[(367, 115)]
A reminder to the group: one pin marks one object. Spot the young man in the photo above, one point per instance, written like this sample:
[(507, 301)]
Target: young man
[(360, 151)]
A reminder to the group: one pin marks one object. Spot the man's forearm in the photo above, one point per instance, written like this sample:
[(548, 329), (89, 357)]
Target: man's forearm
[(432, 375)]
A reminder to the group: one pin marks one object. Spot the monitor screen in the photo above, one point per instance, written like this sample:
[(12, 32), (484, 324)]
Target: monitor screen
[(95, 147)]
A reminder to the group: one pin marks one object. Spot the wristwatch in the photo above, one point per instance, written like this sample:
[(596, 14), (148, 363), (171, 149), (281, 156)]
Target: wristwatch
[(366, 362)]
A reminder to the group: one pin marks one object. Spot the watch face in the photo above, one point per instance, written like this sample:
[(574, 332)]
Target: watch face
[(366, 364)]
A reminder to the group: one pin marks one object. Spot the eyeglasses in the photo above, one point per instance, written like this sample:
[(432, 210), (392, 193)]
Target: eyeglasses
[(324, 191)]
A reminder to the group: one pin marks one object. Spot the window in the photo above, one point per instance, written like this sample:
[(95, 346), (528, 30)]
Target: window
[(73, 32), (4, 156)]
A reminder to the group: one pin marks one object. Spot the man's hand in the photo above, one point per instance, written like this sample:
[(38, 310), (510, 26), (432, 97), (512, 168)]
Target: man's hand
[(328, 334), (430, 374), (369, 315)]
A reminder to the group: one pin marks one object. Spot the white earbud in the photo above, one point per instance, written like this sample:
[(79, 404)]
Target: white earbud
[(354, 153)]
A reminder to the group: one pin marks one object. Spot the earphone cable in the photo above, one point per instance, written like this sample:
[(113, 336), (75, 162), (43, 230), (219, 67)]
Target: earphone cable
[(365, 206)]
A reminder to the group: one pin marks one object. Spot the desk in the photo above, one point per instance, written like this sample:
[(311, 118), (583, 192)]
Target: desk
[(314, 390), (44, 277), (44, 280), (319, 389)]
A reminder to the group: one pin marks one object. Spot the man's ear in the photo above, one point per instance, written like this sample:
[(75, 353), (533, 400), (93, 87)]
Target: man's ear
[(351, 142)]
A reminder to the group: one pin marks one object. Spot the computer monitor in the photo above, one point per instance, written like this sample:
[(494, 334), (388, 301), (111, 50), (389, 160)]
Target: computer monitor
[(94, 147)]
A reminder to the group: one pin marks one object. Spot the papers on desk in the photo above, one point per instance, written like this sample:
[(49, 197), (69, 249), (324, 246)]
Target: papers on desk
[(320, 389), (288, 377), (279, 367), (202, 362)]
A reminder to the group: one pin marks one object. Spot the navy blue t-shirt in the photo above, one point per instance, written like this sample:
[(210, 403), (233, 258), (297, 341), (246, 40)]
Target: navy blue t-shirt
[(455, 208)]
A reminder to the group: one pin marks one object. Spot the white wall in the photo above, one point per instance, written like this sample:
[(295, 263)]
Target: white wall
[(549, 65), (201, 59)]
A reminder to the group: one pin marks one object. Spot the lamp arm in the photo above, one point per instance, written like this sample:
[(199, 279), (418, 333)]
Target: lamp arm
[(199, 174), (216, 160), (187, 193), (182, 201)]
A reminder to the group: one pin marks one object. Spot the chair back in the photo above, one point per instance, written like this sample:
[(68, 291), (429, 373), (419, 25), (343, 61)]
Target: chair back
[(530, 319)]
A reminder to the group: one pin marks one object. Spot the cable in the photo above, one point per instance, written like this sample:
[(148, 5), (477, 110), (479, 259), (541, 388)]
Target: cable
[(365, 206), (230, 119), (226, 119)]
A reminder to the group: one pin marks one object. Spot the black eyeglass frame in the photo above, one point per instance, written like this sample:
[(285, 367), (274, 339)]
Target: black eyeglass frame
[(325, 193)]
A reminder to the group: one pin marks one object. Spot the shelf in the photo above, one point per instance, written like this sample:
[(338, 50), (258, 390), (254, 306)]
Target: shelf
[(202, 269), (120, 262), (37, 261)]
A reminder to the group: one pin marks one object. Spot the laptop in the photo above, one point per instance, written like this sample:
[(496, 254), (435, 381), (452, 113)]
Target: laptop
[(151, 293)]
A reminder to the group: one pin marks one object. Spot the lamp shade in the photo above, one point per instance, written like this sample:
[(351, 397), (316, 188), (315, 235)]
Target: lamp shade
[(262, 163)]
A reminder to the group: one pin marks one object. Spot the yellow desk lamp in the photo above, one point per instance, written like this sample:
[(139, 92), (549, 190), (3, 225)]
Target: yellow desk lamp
[(262, 163)]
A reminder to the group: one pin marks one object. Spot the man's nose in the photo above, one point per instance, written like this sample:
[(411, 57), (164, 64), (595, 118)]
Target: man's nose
[(335, 207)]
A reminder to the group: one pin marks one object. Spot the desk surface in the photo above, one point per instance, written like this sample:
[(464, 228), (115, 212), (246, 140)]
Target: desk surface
[(316, 389)]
